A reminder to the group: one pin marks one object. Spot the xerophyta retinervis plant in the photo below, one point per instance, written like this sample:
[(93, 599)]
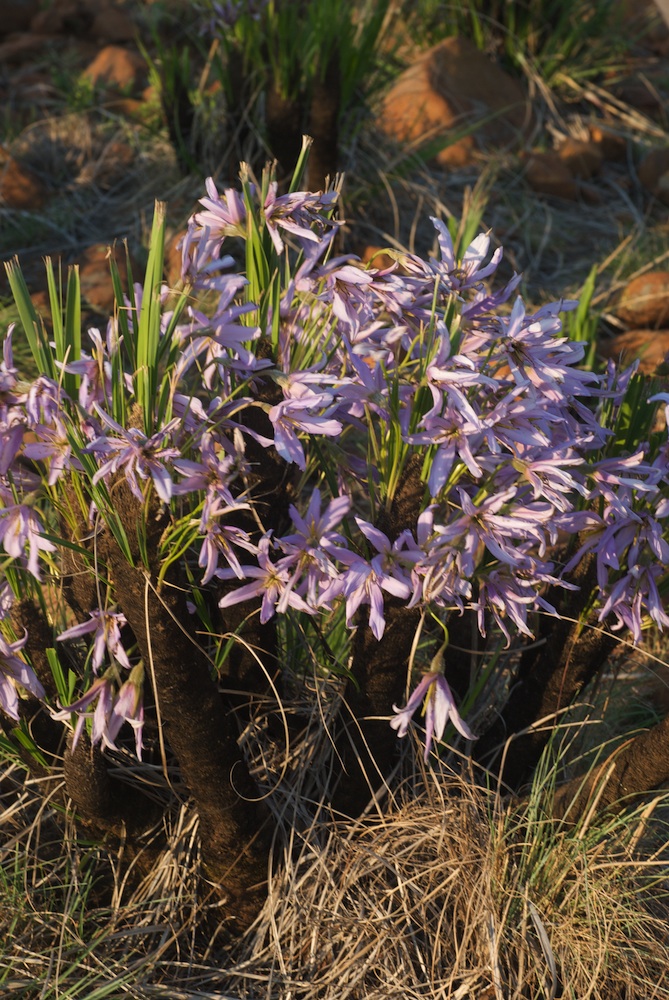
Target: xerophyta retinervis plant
[(310, 467)]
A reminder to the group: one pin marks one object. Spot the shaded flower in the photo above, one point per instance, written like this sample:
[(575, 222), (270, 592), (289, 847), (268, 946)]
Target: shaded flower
[(13, 671), (271, 583), (439, 709), (102, 691), (293, 415), (129, 707), (52, 443), (364, 582), (107, 628)]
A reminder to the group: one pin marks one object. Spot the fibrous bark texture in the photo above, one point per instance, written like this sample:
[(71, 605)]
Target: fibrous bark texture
[(551, 675), (234, 828), (636, 767), (379, 671), (324, 125)]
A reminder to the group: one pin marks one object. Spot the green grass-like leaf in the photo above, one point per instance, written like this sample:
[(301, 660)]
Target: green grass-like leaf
[(148, 330), (32, 324)]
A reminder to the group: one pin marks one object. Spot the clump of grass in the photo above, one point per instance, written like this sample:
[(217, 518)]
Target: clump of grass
[(553, 34), (443, 890)]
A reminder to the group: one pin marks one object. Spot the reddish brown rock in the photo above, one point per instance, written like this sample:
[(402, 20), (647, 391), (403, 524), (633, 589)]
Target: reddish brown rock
[(653, 173), (173, 258), (111, 167), (62, 17), (547, 174), (42, 304), (115, 66), (414, 113), (612, 146), (451, 87), (377, 257), (94, 274), (582, 159), (21, 48), (129, 107), (645, 301), (17, 15), (650, 346), (113, 25), (19, 187)]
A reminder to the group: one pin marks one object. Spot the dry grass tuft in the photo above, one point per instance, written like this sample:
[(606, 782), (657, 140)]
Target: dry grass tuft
[(442, 891)]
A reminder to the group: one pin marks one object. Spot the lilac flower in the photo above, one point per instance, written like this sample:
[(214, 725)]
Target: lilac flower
[(214, 473), (293, 415), (221, 540), (129, 707), (439, 708), (107, 628), (11, 439), (307, 549), (342, 282), (315, 528), (271, 582), (95, 369), (137, 455), (299, 214), (44, 402), (435, 574), (529, 348), (365, 390), (505, 595), (20, 528), (613, 479), (484, 526), (547, 475), (52, 443), (223, 216), (13, 671), (222, 337), (364, 582), (635, 593), (8, 375), (470, 271), (105, 728), (456, 434)]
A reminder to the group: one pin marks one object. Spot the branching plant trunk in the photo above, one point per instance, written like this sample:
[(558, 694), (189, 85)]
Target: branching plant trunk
[(379, 672), (253, 659), (551, 675), (283, 122), (234, 829), (639, 765), (324, 124)]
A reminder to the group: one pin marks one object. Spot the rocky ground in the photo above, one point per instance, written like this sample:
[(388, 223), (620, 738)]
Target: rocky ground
[(567, 176)]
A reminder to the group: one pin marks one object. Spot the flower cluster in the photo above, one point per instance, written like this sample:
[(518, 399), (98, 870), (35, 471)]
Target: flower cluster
[(345, 373)]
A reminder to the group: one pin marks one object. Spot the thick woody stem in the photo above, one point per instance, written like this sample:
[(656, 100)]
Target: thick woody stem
[(379, 671), (639, 766), (283, 121), (324, 124), (270, 487), (234, 828), (551, 675)]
